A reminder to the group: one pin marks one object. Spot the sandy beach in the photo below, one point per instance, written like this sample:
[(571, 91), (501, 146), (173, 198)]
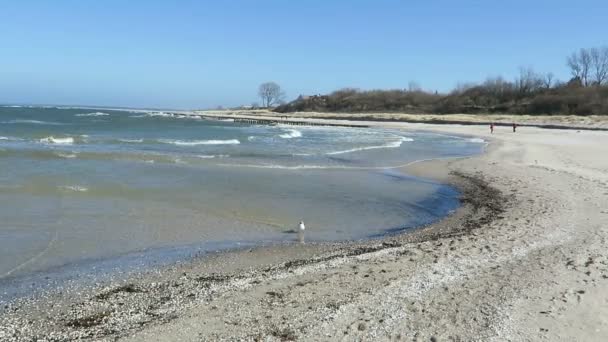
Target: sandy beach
[(524, 259), (593, 122)]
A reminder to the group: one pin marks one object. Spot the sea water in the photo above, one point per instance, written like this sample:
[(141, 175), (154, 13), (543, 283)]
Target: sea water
[(81, 184)]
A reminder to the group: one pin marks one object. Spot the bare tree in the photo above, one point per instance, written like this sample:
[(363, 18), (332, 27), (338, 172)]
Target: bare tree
[(270, 93), (528, 80), (574, 65), (462, 87), (599, 64), (413, 86), (497, 86), (548, 80), (580, 65)]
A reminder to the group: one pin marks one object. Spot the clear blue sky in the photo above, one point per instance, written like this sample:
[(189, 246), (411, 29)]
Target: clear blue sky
[(194, 54)]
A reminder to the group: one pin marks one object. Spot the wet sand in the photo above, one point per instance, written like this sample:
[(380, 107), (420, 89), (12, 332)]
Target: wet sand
[(525, 258)]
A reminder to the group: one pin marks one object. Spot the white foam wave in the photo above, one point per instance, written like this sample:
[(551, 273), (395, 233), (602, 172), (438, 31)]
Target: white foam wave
[(76, 188), (33, 122), (11, 139), (284, 167), (290, 134), (393, 144), (66, 155), (211, 156), (93, 114), (57, 141), (131, 141), (477, 140), (162, 114), (151, 114), (200, 142)]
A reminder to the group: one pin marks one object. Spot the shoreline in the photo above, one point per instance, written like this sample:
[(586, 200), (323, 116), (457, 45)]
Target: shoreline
[(66, 290), (151, 260), (569, 122), (473, 275)]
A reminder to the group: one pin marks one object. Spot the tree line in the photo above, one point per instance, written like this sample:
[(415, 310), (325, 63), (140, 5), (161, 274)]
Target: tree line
[(531, 92)]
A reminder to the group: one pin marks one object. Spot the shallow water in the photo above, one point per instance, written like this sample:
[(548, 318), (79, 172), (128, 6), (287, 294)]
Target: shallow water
[(78, 184)]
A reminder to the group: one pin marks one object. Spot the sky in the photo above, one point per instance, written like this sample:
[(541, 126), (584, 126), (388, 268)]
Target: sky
[(204, 54)]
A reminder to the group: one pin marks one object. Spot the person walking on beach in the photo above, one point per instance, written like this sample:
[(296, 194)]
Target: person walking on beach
[(514, 127), (301, 230), (492, 127)]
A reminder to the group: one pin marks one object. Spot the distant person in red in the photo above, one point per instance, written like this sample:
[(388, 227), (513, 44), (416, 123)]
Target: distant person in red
[(492, 127), (514, 127)]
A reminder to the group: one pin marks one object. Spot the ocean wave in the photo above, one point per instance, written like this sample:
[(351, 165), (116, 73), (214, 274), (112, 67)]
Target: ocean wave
[(291, 133), (31, 122), (477, 140), (93, 114), (66, 155), (10, 139), (284, 167), (131, 141), (57, 141), (162, 114), (200, 142), (212, 156), (393, 144), (167, 115), (76, 188), (152, 114)]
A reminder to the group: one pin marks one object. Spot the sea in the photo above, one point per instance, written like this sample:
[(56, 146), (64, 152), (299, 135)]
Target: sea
[(98, 189)]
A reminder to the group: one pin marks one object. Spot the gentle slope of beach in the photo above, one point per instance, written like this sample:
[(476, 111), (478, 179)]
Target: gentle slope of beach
[(524, 259), (536, 271)]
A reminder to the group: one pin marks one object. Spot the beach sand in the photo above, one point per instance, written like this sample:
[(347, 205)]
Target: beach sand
[(582, 121), (525, 258)]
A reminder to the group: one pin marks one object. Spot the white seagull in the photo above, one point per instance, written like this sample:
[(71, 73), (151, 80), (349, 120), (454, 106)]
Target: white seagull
[(301, 232)]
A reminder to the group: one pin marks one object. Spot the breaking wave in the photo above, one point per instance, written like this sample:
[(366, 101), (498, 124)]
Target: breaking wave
[(76, 188), (393, 144), (212, 156), (290, 134), (66, 155), (31, 122), (57, 141), (93, 114), (131, 141), (200, 142), (10, 139)]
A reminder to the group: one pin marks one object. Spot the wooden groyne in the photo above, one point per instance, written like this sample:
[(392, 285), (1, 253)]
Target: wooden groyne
[(277, 121)]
